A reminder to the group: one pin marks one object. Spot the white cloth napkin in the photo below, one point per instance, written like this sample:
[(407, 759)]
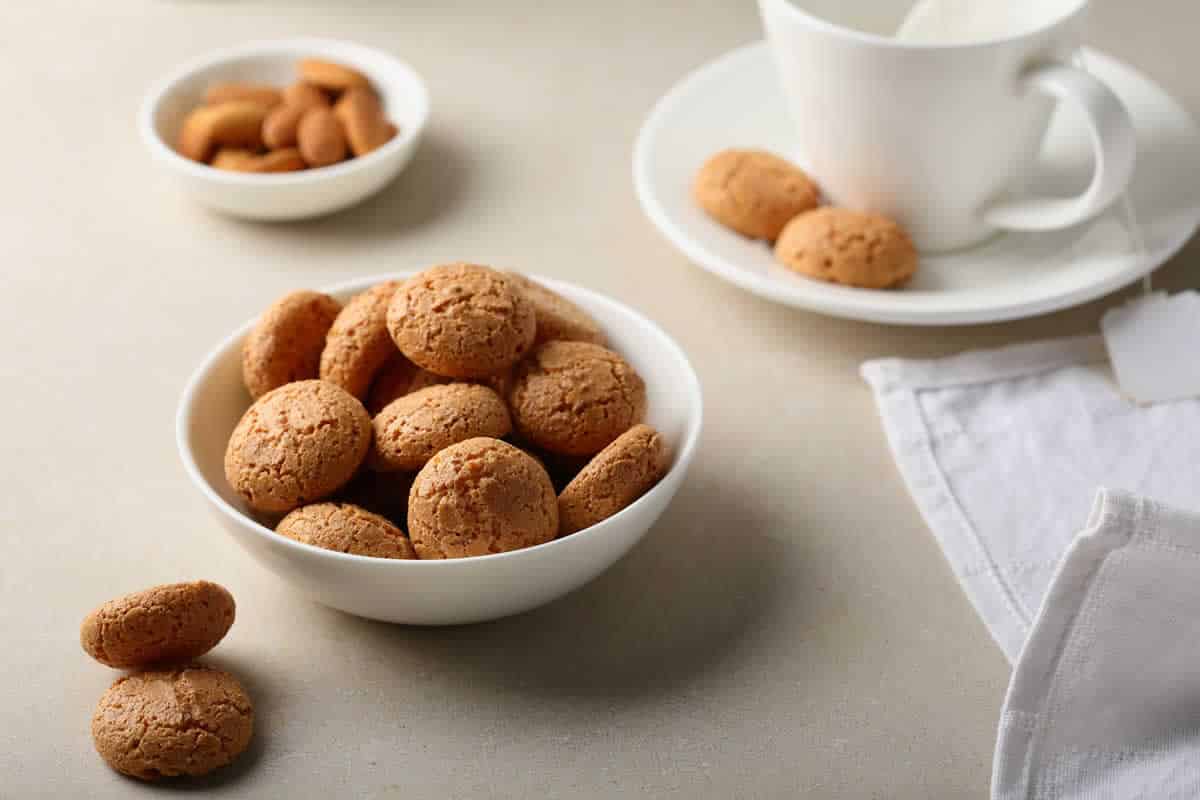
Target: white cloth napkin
[(1003, 452)]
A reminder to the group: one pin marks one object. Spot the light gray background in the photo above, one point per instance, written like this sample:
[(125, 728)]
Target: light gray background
[(790, 627)]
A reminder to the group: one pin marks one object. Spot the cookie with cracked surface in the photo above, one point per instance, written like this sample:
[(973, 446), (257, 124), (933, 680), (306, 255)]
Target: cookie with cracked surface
[(285, 344), (462, 320), (754, 192), (479, 497), (346, 528), (297, 444), (358, 343), (848, 247), (618, 475), (172, 622), (172, 722), (574, 398), (412, 429), (557, 317)]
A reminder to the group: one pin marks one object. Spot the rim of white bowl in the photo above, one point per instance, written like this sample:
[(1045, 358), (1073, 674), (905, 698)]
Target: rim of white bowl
[(682, 461), (165, 86)]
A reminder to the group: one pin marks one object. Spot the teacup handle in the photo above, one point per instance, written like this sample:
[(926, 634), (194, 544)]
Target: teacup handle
[(1113, 139)]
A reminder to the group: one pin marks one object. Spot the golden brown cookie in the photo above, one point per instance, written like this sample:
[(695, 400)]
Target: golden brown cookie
[(462, 321), (412, 429), (754, 192), (172, 622), (557, 317), (358, 344), (479, 497), (285, 345), (297, 444), (574, 398), (171, 722), (848, 247), (382, 493), (346, 528), (618, 475)]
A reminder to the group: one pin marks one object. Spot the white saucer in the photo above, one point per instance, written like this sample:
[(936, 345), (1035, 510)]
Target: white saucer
[(735, 102)]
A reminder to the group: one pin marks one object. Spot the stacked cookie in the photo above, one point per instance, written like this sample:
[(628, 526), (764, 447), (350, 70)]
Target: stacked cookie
[(762, 196), (169, 717), (452, 405)]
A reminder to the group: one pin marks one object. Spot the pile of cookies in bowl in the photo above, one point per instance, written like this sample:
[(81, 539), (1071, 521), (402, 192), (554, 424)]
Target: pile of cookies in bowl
[(461, 414)]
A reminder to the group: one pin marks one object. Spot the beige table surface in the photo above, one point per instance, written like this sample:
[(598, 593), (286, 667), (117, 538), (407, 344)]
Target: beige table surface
[(789, 627)]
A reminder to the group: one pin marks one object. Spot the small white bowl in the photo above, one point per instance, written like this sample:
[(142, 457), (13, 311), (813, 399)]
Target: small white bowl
[(289, 195), (454, 591)]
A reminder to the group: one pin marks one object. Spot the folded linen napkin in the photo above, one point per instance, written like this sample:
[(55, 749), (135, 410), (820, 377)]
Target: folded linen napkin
[(1003, 451)]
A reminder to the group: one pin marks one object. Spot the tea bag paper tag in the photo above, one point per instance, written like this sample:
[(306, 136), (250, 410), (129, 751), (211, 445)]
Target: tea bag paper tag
[(1154, 346)]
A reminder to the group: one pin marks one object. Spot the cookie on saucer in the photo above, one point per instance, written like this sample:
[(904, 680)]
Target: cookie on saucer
[(754, 192)]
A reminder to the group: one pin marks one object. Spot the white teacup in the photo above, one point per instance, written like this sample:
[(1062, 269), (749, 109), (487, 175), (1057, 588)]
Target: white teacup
[(943, 136)]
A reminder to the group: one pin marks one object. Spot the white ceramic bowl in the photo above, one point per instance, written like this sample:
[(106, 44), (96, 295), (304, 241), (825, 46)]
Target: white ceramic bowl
[(291, 195), (459, 590)]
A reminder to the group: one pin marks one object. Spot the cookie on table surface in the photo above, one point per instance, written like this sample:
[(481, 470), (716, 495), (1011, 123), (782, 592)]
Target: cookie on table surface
[(754, 192), (557, 317), (172, 622), (479, 497), (171, 722), (286, 343), (462, 320), (574, 398), (346, 528), (358, 343), (411, 430), (297, 444), (618, 475), (848, 247)]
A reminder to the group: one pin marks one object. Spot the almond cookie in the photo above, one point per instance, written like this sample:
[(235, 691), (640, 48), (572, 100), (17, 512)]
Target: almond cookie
[(172, 622), (557, 317), (574, 398), (346, 528), (171, 722), (412, 429), (848, 247), (462, 321), (285, 345), (297, 444), (618, 475), (479, 497), (754, 192), (358, 344)]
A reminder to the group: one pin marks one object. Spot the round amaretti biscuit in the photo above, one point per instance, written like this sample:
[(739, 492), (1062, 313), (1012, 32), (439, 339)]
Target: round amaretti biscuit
[(573, 398), (346, 528), (618, 475), (462, 321), (172, 622), (358, 344), (297, 444), (754, 192), (411, 430), (848, 247), (166, 723), (557, 317), (479, 497), (285, 345), (382, 493)]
